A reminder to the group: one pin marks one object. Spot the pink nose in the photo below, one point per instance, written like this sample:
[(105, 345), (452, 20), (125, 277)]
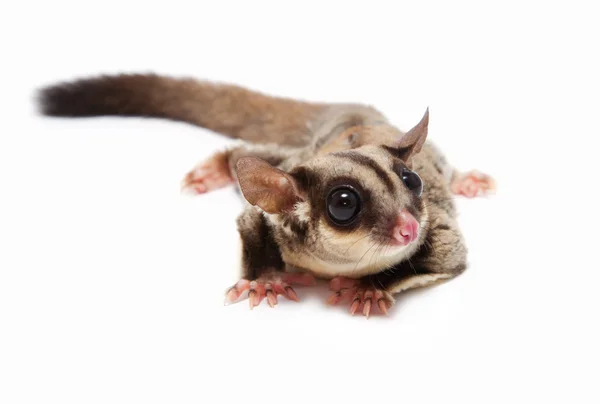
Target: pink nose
[(406, 229)]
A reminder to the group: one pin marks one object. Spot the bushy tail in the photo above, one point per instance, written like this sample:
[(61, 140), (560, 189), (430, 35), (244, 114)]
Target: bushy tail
[(227, 109)]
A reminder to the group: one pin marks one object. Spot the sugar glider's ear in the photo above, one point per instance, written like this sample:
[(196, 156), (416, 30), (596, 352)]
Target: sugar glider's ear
[(265, 186), (411, 143)]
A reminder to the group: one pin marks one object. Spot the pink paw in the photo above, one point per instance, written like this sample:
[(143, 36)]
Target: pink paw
[(365, 296), (270, 286), (209, 175), (473, 184)]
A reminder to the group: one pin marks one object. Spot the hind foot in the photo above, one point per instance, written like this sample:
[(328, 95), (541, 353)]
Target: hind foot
[(209, 175), (473, 184)]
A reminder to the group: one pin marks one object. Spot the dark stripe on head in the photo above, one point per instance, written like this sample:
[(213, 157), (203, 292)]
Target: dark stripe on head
[(372, 164), (305, 178)]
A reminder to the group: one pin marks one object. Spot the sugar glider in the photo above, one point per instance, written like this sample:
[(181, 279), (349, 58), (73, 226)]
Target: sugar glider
[(334, 191)]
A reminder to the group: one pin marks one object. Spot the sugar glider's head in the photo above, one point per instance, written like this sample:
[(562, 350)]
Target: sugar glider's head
[(347, 213)]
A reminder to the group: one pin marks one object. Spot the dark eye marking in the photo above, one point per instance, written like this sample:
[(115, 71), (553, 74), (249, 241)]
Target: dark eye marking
[(306, 178), (372, 164)]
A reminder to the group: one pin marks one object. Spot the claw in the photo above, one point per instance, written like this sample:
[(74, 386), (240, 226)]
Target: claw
[(367, 308), (368, 301), (335, 298), (231, 296), (236, 291), (381, 302), (355, 305), (290, 293), (271, 296), (271, 299), (382, 306), (252, 299), (256, 294)]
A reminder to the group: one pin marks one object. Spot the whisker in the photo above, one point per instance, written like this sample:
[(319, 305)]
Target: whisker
[(369, 249), (412, 266), (362, 238)]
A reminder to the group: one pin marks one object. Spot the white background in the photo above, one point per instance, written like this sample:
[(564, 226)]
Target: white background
[(111, 282)]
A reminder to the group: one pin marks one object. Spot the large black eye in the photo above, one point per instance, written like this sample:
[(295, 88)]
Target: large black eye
[(412, 181), (343, 205)]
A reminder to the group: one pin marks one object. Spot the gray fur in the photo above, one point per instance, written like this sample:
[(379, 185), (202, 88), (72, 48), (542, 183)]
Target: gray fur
[(311, 246)]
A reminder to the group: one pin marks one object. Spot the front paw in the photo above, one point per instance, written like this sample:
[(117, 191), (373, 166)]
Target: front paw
[(472, 184), (209, 175), (270, 286), (360, 294)]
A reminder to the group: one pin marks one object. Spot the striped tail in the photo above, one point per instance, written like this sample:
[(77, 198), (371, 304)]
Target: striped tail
[(227, 109)]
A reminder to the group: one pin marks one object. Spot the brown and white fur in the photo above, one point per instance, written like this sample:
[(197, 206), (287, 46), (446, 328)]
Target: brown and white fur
[(300, 157)]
